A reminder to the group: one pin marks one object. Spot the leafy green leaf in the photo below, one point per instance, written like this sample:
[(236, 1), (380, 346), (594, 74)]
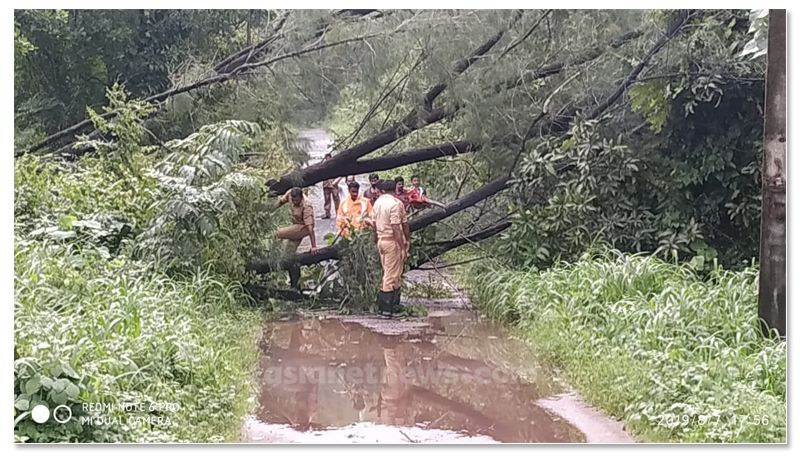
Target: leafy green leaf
[(22, 403)]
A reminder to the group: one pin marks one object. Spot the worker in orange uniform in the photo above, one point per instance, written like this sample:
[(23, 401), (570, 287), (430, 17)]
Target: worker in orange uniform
[(388, 216), (354, 211)]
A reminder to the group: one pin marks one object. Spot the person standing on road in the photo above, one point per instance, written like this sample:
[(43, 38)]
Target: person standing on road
[(416, 186), (373, 192), (400, 191), (330, 191), (388, 214), (302, 215), (354, 212)]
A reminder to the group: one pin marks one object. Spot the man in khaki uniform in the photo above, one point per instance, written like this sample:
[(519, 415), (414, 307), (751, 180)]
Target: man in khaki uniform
[(396, 394), (330, 191), (388, 216), (302, 214)]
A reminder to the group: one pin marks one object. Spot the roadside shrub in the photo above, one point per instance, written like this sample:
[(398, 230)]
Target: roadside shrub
[(678, 357)]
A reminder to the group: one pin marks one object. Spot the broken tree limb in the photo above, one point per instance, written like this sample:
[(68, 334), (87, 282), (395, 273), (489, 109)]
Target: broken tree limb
[(555, 68), (440, 249), (239, 71), (317, 172), (484, 192), (417, 118), (391, 161)]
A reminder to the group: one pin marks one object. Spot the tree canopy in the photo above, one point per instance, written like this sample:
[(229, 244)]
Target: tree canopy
[(557, 129)]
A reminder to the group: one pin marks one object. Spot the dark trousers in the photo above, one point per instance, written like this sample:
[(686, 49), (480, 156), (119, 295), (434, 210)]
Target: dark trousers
[(331, 193)]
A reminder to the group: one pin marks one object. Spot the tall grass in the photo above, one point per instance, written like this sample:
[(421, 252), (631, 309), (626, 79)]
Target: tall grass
[(89, 329), (679, 358)]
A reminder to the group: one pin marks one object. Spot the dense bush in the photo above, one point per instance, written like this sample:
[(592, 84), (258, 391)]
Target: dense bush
[(678, 357), (91, 329), (126, 288)]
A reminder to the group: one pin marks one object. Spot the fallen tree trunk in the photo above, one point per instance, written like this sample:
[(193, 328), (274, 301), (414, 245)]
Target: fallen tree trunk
[(416, 119), (484, 192), (558, 124), (441, 248), (314, 176), (346, 159)]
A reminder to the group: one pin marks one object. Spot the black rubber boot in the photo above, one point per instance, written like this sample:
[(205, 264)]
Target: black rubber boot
[(294, 277), (398, 310), (385, 303)]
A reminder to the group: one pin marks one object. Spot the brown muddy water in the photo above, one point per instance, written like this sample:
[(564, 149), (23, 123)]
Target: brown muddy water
[(450, 377)]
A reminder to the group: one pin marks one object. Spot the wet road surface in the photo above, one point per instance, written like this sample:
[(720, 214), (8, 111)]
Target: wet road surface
[(317, 143), (448, 378)]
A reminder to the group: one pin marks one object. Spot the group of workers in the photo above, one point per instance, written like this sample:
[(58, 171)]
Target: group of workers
[(384, 208)]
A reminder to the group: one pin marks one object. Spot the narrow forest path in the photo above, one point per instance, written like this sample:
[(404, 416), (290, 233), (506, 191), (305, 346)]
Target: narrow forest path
[(452, 376), (318, 143)]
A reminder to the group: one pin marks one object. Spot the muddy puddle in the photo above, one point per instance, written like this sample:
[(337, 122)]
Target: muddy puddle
[(451, 377)]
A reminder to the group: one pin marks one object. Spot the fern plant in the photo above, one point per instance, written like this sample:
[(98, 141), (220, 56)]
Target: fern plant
[(202, 189)]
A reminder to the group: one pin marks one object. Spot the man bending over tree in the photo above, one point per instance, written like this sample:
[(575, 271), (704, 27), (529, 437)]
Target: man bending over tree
[(302, 214)]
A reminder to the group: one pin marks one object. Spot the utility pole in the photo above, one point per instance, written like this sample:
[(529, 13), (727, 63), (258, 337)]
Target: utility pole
[(772, 260)]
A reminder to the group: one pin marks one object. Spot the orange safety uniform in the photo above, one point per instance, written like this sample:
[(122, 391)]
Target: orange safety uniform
[(353, 214)]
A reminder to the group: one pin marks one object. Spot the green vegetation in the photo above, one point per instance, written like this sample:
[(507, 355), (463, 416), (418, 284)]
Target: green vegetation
[(127, 288), (133, 231), (678, 357), (94, 330)]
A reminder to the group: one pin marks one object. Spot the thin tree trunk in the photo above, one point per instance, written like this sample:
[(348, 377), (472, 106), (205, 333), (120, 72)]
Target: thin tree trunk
[(772, 280)]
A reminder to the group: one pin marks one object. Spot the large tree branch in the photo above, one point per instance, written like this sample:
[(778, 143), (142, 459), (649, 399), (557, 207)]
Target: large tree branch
[(555, 68), (411, 157), (443, 247), (417, 118), (434, 216), (242, 70), (312, 176)]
